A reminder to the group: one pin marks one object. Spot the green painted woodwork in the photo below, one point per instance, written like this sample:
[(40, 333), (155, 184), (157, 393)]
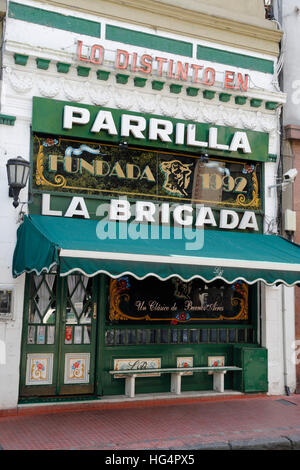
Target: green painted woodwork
[(271, 105), (62, 67), (47, 118), (83, 71), (209, 94), (103, 356), (254, 362), (20, 59), (54, 20), (42, 63), (224, 97), (7, 120), (240, 100), (122, 78), (255, 103), (174, 88), (150, 41), (212, 54), (272, 158), (157, 85), (191, 91), (102, 75), (63, 306), (139, 82)]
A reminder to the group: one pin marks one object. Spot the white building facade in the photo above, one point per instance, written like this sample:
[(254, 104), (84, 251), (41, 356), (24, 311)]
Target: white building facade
[(61, 66)]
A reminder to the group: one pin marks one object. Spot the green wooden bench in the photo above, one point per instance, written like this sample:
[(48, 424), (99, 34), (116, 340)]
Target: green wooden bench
[(176, 374)]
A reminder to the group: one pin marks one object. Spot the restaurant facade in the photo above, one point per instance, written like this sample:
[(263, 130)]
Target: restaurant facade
[(147, 237)]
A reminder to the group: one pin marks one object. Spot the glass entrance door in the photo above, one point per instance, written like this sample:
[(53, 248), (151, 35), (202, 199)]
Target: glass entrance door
[(78, 336), (59, 336)]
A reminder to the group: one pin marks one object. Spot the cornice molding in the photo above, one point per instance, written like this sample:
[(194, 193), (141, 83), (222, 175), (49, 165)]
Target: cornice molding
[(263, 38)]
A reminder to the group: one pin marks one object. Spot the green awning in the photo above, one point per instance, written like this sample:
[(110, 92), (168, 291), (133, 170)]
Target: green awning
[(92, 247)]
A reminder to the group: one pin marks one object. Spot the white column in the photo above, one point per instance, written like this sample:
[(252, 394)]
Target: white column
[(176, 383), (130, 386), (278, 334), (218, 378)]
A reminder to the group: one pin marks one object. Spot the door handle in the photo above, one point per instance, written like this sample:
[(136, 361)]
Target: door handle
[(95, 311)]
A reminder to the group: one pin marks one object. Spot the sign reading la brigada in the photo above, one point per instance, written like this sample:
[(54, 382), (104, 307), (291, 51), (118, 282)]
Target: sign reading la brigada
[(146, 212)]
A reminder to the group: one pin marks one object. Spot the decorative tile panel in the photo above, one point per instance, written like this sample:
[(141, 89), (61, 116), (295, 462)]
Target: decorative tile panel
[(39, 369), (77, 368), (185, 362), (138, 364)]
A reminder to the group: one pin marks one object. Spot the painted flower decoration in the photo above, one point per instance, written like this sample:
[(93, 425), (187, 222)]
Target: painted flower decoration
[(174, 322), (237, 286), (123, 283), (183, 316), (76, 365), (40, 366), (248, 169), (50, 142)]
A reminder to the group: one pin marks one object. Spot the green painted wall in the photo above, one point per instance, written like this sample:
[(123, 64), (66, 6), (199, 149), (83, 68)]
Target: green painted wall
[(54, 20), (150, 41)]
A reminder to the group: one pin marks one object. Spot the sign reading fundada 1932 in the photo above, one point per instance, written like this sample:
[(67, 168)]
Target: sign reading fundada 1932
[(88, 122), (72, 166)]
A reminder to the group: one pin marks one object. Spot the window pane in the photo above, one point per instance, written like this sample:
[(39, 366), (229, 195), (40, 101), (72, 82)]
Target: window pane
[(109, 337), (184, 337), (174, 336), (31, 335), (164, 336), (193, 336), (222, 336), (153, 336), (131, 335), (50, 334), (213, 336), (204, 336), (241, 336), (142, 336), (231, 336)]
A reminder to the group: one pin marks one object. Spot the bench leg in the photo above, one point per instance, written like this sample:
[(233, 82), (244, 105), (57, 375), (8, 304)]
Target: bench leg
[(176, 383), (130, 386), (219, 381)]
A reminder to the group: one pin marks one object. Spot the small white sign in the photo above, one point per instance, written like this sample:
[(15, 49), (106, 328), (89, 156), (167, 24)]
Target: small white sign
[(6, 307)]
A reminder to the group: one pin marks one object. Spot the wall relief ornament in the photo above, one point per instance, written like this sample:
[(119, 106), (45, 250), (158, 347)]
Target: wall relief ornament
[(169, 106), (124, 100), (74, 91), (49, 87), (100, 95), (146, 103), (20, 82)]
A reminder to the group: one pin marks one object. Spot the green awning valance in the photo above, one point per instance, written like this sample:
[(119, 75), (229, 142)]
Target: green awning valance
[(78, 245)]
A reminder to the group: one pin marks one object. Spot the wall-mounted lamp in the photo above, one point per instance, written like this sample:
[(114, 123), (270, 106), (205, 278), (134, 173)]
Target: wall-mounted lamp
[(17, 174)]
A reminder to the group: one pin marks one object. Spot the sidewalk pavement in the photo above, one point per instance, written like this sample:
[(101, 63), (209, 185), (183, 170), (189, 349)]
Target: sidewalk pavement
[(240, 422)]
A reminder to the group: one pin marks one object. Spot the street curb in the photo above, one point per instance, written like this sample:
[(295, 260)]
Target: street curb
[(212, 446), (291, 442), (277, 443)]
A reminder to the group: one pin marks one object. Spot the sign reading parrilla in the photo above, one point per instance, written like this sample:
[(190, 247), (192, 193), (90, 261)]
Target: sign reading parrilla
[(157, 129), (114, 125)]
